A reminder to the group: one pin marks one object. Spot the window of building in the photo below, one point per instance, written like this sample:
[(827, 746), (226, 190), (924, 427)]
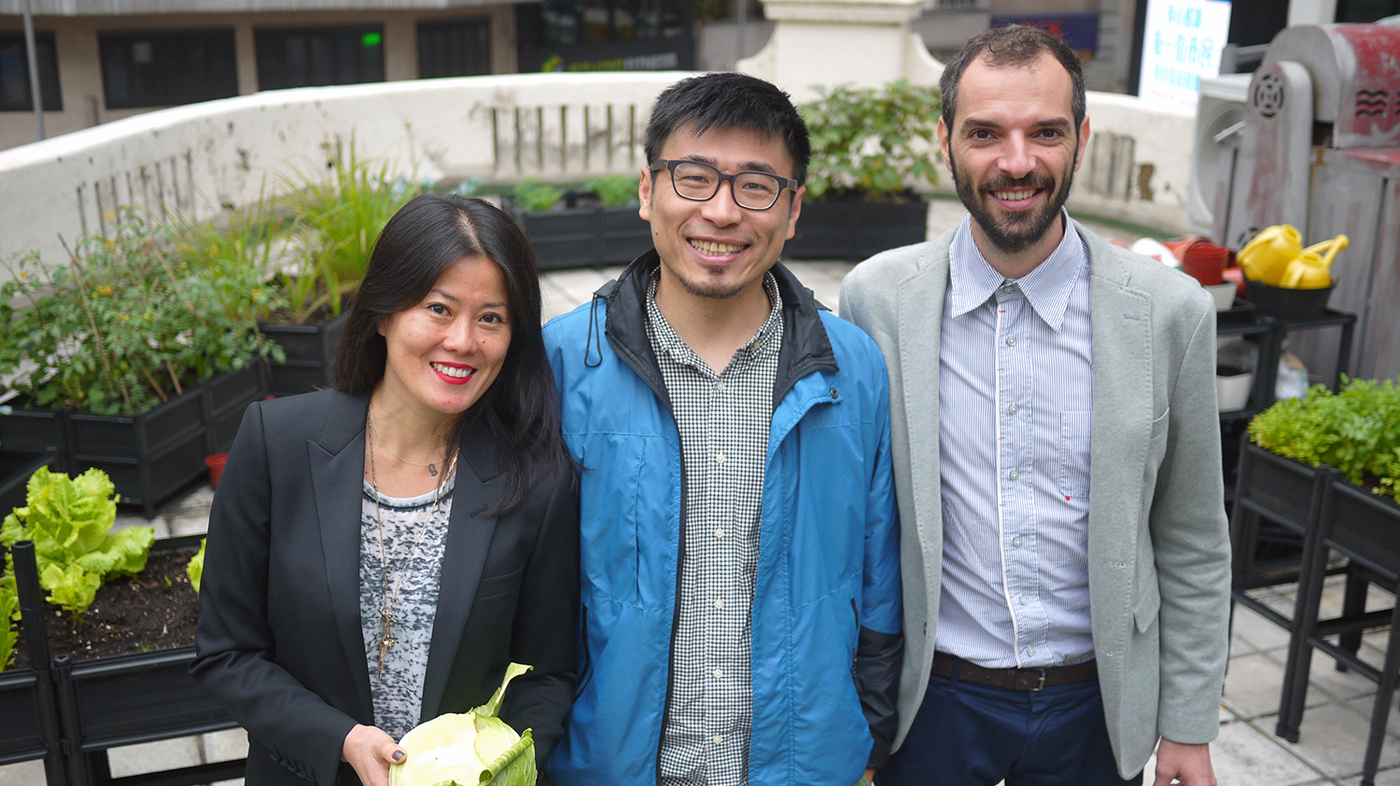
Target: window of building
[(309, 56), (167, 67), (14, 73), (456, 47)]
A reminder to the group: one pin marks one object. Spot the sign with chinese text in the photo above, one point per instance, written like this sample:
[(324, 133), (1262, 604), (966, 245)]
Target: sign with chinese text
[(1182, 42)]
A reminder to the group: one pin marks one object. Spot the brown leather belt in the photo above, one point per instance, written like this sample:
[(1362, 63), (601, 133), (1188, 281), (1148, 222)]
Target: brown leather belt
[(1014, 679)]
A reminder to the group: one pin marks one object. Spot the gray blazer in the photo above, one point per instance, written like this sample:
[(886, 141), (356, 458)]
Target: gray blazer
[(1159, 551)]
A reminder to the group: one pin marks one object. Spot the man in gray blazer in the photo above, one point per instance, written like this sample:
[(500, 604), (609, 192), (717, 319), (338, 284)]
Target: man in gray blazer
[(1057, 462)]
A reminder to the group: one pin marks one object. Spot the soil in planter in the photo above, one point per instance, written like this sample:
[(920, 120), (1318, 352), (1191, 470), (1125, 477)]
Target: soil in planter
[(153, 610)]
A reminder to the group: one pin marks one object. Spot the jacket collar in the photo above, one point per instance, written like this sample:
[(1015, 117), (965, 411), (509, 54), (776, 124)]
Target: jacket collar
[(805, 347)]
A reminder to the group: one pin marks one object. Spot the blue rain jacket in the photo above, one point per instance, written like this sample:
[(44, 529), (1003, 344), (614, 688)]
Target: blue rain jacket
[(826, 611)]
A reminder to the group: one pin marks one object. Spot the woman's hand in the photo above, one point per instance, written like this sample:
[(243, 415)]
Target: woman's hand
[(371, 751)]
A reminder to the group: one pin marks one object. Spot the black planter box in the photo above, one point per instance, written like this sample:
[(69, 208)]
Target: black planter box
[(30, 432), (20, 736), (226, 398), (311, 351), (15, 469), (584, 237), (152, 454), (109, 702), (854, 230)]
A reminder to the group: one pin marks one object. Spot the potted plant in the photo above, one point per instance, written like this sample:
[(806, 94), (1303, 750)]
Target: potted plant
[(597, 225), (120, 358), (314, 244), (83, 705), (871, 150), (1283, 461)]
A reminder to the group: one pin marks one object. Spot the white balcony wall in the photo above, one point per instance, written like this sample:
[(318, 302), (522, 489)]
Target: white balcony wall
[(199, 159)]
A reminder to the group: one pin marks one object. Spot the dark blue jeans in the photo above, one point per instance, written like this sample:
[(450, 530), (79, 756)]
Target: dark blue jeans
[(966, 734)]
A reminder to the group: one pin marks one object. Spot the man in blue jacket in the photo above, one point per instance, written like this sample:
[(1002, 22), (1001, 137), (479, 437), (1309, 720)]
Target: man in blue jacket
[(740, 565)]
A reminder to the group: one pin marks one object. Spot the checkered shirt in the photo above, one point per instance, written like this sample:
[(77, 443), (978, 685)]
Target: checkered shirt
[(724, 422)]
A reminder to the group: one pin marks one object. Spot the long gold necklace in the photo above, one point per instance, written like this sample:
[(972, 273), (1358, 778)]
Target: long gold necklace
[(386, 630)]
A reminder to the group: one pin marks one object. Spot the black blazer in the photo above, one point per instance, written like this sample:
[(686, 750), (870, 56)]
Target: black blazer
[(279, 640)]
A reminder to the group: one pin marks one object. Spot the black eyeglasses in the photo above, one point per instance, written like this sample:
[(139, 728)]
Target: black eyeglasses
[(700, 182)]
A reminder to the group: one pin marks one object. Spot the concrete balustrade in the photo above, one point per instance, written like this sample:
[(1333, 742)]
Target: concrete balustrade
[(200, 159)]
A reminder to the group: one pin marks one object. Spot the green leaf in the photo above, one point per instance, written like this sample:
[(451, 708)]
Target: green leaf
[(195, 568)]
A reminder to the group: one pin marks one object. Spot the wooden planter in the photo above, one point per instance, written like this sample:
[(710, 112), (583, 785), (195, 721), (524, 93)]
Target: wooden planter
[(854, 230), (311, 351), (152, 454), (586, 237), (104, 702)]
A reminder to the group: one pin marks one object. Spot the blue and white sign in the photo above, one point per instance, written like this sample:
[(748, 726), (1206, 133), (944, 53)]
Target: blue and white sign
[(1182, 42)]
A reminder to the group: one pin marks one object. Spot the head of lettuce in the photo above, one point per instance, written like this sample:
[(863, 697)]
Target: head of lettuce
[(468, 749)]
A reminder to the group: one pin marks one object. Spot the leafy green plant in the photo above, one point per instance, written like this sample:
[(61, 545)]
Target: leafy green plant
[(1353, 430), (70, 522), (132, 321), (195, 568), (9, 614), (875, 143), (238, 255), (614, 190), (533, 196), (336, 221)]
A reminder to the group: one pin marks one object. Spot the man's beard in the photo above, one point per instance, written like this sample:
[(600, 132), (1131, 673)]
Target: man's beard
[(1014, 232)]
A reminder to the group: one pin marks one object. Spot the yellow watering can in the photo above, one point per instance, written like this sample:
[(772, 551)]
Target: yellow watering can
[(1265, 257), (1276, 257), (1312, 269)]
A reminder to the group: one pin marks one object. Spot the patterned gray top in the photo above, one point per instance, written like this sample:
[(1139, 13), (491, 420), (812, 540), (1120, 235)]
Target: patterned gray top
[(398, 690)]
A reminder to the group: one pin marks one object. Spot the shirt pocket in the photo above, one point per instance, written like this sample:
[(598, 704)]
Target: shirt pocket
[(1075, 430)]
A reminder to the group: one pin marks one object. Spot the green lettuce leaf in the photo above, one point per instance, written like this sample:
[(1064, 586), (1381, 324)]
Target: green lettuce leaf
[(468, 749), (70, 522)]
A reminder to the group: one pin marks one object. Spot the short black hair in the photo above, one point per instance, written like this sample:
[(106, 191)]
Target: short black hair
[(421, 241), (729, 100), (1012, 45)]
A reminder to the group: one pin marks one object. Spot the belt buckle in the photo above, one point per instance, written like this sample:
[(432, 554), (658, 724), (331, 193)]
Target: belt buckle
[(1040, 683)]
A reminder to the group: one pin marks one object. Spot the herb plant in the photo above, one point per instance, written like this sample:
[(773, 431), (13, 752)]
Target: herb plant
[(132, 321), (533, 196), (70, 522), (1354, 430), (614, 190), (873, 143), (336, 221)]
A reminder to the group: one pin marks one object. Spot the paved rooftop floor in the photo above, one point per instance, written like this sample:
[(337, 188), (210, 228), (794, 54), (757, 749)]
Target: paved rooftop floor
[(1247, 753)]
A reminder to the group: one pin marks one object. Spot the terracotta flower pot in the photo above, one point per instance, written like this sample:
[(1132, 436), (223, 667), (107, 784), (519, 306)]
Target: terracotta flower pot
[(215, 463)]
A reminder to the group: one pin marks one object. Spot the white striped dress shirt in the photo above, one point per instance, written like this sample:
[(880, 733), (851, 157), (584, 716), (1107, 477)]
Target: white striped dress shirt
[(1016, 401)]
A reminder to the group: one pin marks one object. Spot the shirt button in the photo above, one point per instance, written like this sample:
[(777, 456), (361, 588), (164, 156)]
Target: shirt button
[(719, 604), (719, 674), (719, 385), (1014, 475), (717, 739), (719, 532), (719, 458), (1011, 341), (1011, 410), (1025, 600), (1016, 542), (1030, 652)]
